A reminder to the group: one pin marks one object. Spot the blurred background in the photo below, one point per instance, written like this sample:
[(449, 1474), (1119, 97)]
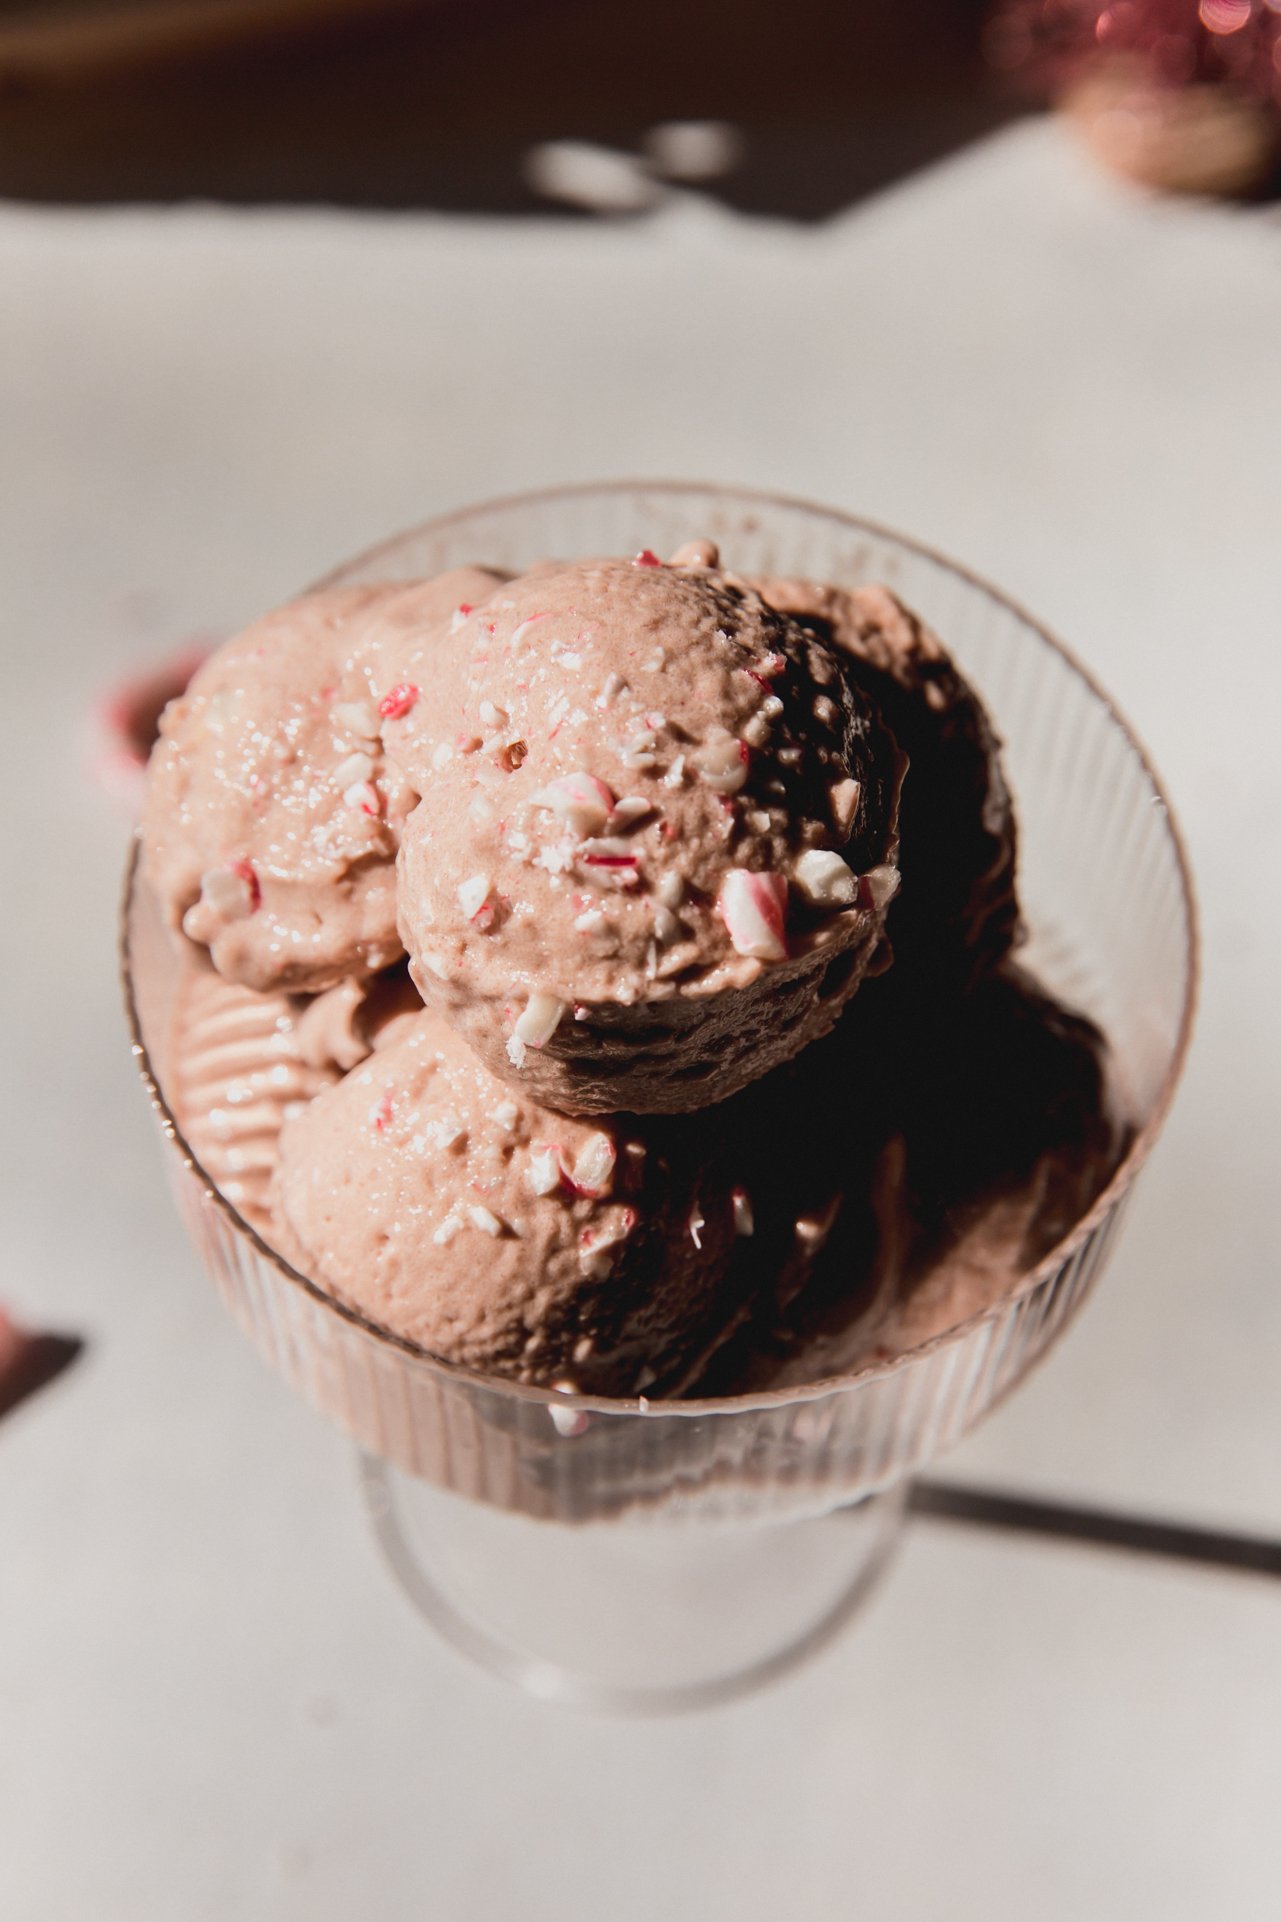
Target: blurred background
[(279, 278)]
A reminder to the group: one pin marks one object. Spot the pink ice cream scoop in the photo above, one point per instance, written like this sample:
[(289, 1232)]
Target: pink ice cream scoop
[(272, 811), (658, 858), (459, 1213)]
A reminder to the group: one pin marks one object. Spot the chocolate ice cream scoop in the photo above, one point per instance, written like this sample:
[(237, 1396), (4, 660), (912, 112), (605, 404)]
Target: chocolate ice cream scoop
[(956, 914), (658, 859), (460, 1214), (272, 812)]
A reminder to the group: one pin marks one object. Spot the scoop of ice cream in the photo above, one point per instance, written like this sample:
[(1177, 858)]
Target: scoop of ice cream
[(956, 913), (239, 1068), (659, 857), (272, 811), (459, 1214), (915, 1186)]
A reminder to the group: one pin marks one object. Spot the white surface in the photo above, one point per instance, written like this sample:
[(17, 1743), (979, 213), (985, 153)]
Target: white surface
[(212, 1701)]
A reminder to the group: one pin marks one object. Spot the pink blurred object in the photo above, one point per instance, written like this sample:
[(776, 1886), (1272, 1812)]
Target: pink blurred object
[(125, 719), (30, 1361), (1183, 95)]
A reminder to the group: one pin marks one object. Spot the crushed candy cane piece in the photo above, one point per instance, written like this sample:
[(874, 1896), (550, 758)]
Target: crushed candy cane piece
[(632, 807), (824, 879), (741, 1205), (670, 889), (542, 1176), (452, 1225), (568, 1421), (697, 1223), (753, 907), (593, 1171), (358, 717), (398, 700), (364, 796), (233, 891), (353, 771), (723, 764), (484, 1219), (582, 802), (535, 1027), (492, 716), (506, 1115), (879, 885), (473, 894), (647, 558)]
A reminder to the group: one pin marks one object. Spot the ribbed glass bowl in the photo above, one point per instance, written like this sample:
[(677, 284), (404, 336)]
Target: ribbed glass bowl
[(1106, 896)]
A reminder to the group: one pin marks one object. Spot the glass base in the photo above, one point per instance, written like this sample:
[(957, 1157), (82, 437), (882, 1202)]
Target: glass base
[(634, 1617)]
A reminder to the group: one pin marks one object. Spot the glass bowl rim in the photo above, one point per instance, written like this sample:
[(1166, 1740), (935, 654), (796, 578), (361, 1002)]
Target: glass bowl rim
[(760, 1400)]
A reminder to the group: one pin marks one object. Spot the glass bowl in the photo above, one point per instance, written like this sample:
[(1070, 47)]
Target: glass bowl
[(658, 1555)]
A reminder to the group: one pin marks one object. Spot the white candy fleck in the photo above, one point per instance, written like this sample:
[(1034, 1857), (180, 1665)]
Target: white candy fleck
[(614, 685), (353, 770), (639, 751), (744, 1219), (697, 1223), (452, 1225), (670, 889), (445, 1130), (358, 717), (825, 711), (568, 1421), (535, 1026), (227, 892), (364, 797), (591, 921), (723, 765), (666, 927), (756, 730), (493, 717), (441, 755), (542, 1177), (675, 773), (505, 1115), (481, 1217), (473, 894), (594, 1166), (824, 879), (632, 807)]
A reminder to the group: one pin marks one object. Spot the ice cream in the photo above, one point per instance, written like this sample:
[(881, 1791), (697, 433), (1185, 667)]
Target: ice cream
[(660, 858), (272, 813), (455, 1210), (701, 1098)]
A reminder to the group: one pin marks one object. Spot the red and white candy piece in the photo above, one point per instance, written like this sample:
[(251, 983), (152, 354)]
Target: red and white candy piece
[(754, 909), (231, 892), (878, 886), (473, 894), (398, 700), (723, 764), (534, 1027), (582, 802)]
